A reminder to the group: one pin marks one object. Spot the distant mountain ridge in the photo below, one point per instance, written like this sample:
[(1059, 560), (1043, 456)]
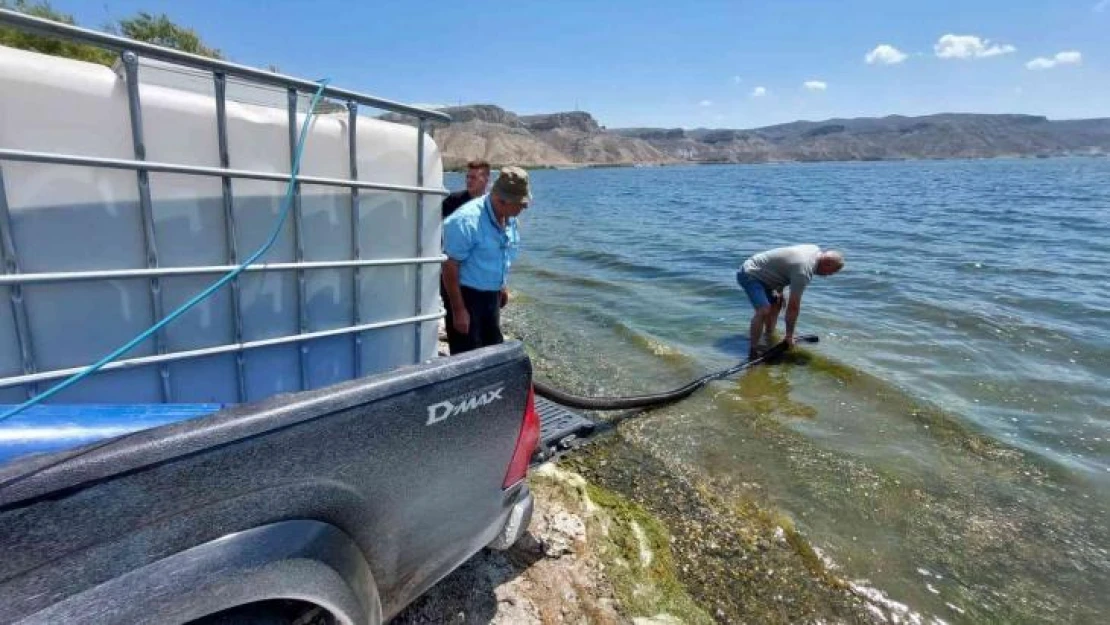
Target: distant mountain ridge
[(568, 139), (945, 135)]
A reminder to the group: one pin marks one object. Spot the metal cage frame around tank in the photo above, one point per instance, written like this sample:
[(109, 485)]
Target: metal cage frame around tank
[(130, 51)]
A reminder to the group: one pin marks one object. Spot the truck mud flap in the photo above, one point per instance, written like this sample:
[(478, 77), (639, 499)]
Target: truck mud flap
[(561, 430)]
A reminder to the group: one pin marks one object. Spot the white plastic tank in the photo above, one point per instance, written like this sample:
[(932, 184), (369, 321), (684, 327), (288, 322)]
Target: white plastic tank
[(75, 218)]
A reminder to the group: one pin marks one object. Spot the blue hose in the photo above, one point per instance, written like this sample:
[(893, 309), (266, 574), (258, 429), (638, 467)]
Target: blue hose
[(215, 286)]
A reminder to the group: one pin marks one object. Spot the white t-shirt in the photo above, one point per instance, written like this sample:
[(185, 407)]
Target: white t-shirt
[(784, 266)]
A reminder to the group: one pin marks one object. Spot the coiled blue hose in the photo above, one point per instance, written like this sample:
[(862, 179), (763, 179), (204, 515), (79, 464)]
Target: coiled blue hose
[(200, 297)]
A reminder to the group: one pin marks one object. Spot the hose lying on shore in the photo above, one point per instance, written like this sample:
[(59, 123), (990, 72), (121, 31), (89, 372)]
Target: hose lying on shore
[(658, 399)]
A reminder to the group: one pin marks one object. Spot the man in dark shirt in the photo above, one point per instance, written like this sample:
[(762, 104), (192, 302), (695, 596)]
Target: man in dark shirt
[(477, 178)]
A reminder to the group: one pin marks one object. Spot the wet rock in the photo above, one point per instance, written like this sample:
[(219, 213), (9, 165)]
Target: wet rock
[(658, 619)]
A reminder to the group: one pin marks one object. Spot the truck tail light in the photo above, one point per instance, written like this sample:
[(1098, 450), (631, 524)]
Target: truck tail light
[(526, 443)]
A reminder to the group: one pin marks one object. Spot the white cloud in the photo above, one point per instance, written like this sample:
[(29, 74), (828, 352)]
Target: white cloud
[(705, 103), (885, 54), (1101, 6), (815, 85), (759, 92), (969, 47), (1067, 57), (738, 80)]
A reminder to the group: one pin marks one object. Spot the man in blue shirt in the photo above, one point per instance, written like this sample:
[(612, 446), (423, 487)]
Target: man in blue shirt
[(477, 179), (481, 241)]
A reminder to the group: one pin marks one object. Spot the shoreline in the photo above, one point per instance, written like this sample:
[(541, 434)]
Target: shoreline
[(722, 515), (649, 165), (618, 536)]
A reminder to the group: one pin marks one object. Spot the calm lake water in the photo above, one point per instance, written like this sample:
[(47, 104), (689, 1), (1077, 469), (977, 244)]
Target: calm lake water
[(947, 442)]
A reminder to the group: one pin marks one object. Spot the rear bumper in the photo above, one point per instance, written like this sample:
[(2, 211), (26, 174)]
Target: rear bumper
[(561, 429), (516, 522)]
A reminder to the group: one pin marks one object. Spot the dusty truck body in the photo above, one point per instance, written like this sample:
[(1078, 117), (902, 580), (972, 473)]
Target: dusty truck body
[(291, 449), (349, 499)]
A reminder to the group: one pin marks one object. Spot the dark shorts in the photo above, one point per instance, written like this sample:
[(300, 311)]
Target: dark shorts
[(760, 294), (485, 321)]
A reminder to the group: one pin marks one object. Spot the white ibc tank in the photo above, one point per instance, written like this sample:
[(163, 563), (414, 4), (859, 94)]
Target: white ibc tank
[(74, 218)]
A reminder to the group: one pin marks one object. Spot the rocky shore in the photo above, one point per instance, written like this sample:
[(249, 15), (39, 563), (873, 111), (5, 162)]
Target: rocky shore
[(617, 537), (620, 535)]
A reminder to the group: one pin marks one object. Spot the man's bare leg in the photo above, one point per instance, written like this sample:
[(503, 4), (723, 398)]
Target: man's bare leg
[(772, 319), (759, 320)]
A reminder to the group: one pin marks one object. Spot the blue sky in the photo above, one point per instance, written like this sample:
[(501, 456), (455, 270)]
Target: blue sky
[(674, 63)]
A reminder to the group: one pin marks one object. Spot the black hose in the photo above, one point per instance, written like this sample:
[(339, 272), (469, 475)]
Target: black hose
[(658, 399)]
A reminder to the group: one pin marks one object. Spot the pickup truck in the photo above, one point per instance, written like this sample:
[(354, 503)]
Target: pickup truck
[(339, 505)]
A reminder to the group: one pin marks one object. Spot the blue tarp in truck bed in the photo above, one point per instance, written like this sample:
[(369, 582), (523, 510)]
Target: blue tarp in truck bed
[(47, 428)]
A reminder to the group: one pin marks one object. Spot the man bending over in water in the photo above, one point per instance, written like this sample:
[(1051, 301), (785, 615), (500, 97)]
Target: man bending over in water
[(764, 276)]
